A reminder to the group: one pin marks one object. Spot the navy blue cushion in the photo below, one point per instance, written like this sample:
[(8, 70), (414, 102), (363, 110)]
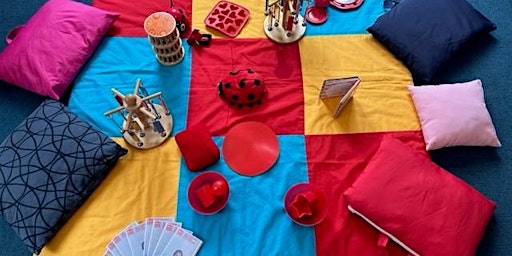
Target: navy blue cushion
[(49, 165), (425, 34)]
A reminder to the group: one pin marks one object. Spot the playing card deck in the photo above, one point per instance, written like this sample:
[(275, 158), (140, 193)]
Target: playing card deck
[(155, 236)]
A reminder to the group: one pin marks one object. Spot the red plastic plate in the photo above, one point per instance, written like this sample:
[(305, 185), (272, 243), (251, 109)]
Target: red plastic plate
[(316, 15), (250, 148), (207, 178), (227, 18), (346, 4), (319, 206)]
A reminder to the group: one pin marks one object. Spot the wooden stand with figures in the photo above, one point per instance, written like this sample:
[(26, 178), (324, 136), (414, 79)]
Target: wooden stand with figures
[(145, 124), (283, 22)]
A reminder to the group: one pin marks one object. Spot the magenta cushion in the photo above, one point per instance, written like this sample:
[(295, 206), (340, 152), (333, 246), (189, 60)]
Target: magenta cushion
[(454, 115), (421, 206), (47, 53)]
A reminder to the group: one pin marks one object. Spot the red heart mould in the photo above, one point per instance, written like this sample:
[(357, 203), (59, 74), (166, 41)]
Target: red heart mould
[(227, 18)]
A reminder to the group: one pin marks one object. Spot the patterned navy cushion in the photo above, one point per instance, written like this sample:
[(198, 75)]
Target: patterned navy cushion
[(49, 165)]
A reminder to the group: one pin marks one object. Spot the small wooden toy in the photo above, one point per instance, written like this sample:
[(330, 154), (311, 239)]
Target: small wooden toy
[(145, 124), (344, 87), (283, 22), (164, 37)]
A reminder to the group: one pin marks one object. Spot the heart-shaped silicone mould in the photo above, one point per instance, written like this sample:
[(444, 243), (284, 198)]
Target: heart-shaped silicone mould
[(228, 18)]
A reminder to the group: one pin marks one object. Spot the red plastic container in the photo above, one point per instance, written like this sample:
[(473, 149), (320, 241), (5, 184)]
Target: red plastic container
[(227, 18), (306, 204), (346, 4), (204, 194)]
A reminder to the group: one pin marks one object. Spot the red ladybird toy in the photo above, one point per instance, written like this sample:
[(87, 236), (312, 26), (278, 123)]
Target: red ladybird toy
[(243, 88), (182, 23)]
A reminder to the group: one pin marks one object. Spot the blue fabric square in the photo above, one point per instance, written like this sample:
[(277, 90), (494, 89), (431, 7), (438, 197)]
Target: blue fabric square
[(236, 228), (133, 54), (425, 35), (49, 165)]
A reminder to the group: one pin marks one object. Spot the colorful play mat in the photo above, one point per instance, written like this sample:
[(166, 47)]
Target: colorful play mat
[(313, 147)]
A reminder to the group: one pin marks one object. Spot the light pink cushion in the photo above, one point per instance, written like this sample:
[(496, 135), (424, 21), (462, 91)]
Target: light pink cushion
[(47, 53), (454, 115)]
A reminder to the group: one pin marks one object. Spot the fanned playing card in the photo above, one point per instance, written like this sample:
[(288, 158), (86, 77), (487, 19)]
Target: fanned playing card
[(136, 238), (154, 236), (148, 231), (182, 243), (344, 87)]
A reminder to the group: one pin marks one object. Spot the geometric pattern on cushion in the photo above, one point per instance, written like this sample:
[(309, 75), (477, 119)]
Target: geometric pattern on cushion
[(49, 165)]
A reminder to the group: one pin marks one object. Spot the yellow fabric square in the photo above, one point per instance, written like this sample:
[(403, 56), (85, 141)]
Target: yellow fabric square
[(252, 29), (144, 183), (381, 103)]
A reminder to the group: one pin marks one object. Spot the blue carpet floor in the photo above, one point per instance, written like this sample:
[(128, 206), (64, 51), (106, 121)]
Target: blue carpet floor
[(15, 104), (487, 169)]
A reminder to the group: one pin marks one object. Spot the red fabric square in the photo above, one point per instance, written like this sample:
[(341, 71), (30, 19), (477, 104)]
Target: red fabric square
[(197, 147), (334, 164), (133, 14), (282, 108)]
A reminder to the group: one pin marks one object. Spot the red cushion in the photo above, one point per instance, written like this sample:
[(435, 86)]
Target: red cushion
[(197, 147), (418, 204)]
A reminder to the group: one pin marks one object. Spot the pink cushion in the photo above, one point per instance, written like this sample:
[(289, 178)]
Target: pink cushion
[(454, 115), (46, 54), (418, 204)]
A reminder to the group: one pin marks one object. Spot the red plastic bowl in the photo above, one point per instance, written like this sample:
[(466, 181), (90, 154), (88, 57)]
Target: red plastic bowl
[(318, 205), (196, 190)]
